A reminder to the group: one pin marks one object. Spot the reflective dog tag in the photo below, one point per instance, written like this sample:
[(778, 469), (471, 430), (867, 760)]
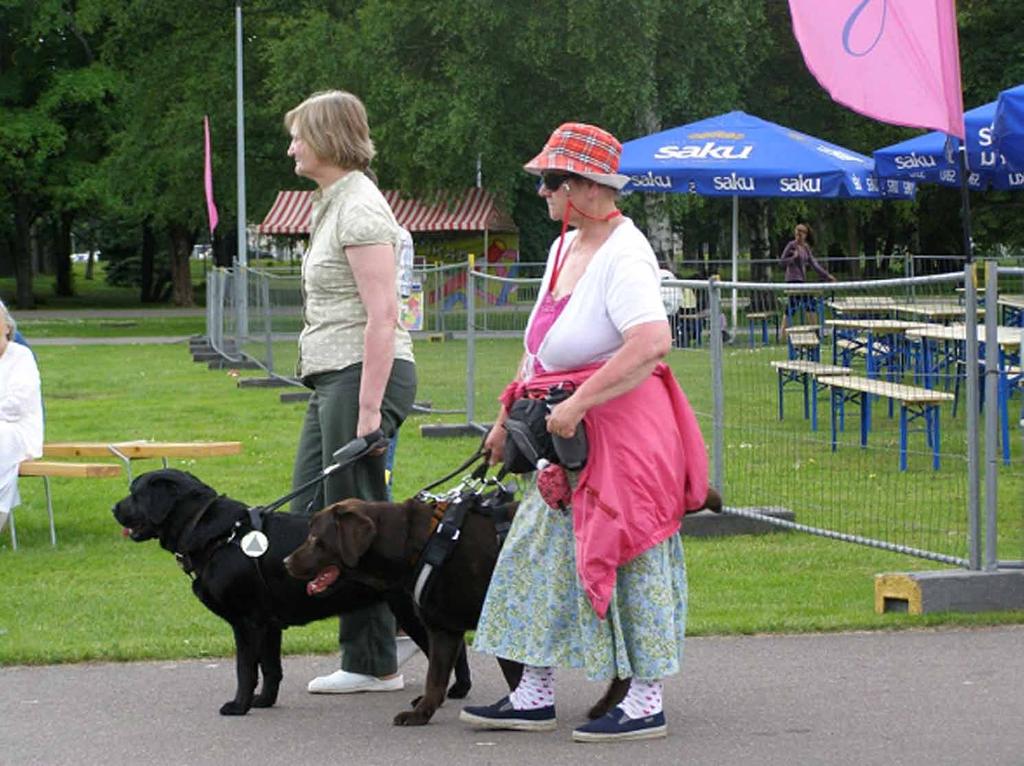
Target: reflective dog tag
[(255, 544)]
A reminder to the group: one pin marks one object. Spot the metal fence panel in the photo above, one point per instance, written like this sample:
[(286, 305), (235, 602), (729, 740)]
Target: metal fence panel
[(850, 404), (874, 454)]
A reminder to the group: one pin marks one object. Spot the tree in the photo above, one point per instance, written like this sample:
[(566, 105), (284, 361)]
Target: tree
[(52, 100)]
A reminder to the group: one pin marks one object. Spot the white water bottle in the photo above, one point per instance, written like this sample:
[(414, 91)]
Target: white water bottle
[(406, 256)]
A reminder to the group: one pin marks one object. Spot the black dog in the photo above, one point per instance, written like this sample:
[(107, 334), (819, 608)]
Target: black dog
[(256, 596)]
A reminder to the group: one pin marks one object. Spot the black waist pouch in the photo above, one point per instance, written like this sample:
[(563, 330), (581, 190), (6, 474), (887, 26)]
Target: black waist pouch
[(528, 438)]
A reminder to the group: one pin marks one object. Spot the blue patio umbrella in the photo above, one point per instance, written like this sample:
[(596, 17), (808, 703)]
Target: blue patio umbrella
[(739, 155), (1008, 129), (928, 158)]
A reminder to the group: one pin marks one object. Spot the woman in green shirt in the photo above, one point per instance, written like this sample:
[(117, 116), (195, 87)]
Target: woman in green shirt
[(353, 354)]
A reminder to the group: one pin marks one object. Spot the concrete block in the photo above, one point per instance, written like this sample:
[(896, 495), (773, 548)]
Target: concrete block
[(227, 364), (449, 430), (956, 590), (265, 383)]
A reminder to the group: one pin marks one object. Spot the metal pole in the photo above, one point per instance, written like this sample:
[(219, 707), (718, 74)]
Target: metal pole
[(470, 341), (718, 418), (971, 374), (991, 415), (965, 205), (735, 254), (268, 319), (242, 293)]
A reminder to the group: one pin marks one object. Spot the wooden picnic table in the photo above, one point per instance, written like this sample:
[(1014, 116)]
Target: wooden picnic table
[(863, 304), (875, 325), (877, 338), (935, 310), (1006, 336), (915, 402), (44, 469), (805, 372), (934, 359), (128, 451), (1013, 308)]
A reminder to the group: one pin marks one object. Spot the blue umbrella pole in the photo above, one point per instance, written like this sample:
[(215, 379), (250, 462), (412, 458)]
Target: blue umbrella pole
[(965, 205)]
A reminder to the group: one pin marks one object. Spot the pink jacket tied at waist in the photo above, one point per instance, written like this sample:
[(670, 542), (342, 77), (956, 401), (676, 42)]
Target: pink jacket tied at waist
[(647, 466)]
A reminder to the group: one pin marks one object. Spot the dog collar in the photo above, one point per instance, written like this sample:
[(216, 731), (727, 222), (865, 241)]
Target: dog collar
[(183, 559)]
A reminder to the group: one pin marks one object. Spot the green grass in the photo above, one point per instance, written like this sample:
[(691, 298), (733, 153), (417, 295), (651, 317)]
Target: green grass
[(99, 596)]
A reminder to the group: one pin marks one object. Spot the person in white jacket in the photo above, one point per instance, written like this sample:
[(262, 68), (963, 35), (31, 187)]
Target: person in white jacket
[(21, 412)]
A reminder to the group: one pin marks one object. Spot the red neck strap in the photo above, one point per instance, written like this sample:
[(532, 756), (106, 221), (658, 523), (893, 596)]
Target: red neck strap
[(560, 256)]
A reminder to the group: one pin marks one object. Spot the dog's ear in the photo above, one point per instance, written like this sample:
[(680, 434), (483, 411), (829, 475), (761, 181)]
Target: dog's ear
[(155, 496), (157, 493), (356, 532)]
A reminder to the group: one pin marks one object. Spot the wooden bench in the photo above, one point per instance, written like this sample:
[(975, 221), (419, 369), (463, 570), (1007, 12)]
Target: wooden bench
[(804, 342), (44, 469), (805, 371), (914, 402), (128, 451)]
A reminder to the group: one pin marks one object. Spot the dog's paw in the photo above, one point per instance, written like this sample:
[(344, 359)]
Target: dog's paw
[(416, 701), (459, 690), (264, 699), (233, 708), (411, 718)]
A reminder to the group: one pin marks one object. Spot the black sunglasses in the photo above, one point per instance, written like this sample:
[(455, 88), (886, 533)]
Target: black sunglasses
[(553, 181)]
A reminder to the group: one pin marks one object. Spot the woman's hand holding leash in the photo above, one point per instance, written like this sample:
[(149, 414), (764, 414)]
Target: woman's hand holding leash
[(495, 442)]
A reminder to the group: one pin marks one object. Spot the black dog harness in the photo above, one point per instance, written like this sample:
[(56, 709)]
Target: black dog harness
[(449, 515), (256, 518), (440, 545)]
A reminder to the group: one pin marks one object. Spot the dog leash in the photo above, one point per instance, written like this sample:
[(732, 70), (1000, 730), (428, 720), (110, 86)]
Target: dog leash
[(343, 457), (479, 473)]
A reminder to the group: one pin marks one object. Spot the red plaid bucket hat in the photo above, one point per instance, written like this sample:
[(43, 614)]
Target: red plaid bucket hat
[(585, 150)]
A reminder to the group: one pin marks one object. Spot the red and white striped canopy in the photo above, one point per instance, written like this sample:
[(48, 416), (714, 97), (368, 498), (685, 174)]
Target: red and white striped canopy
[(474, 210)]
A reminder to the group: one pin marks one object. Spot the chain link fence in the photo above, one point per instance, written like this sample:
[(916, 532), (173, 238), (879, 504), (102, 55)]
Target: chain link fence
[(863, 407)]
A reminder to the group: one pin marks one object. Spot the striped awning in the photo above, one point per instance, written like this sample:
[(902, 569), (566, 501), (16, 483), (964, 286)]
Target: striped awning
[(473, 210), (289, 214)]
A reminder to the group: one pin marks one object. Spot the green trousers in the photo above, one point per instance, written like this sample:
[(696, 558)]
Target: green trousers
[(367, 636)]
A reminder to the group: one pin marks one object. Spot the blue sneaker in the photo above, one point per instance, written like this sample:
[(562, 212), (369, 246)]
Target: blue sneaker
[(501, 715), (615, 724)]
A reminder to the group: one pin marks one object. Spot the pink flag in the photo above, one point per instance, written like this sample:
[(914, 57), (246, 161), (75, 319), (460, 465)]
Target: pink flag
[(897, 61), (211, 206)]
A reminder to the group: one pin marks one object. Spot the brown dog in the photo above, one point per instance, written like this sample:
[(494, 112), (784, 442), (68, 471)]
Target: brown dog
[(380, 543)]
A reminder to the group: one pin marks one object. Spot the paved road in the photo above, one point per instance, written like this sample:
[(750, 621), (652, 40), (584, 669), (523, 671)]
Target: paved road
[(136, 313), (892, 699), (123, 341), (107, 313)]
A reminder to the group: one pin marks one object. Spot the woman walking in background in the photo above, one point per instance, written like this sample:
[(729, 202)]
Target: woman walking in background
[(797, 256)]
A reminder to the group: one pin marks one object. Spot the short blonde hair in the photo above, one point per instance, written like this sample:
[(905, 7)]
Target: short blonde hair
[(333, 124)]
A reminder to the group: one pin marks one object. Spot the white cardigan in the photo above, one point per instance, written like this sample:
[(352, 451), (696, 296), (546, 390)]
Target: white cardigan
[(21, 409), (618, 290)]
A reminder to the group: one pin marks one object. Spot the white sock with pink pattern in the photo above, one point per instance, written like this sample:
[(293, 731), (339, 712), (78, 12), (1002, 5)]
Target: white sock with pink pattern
[(536, 689), (642, 699)]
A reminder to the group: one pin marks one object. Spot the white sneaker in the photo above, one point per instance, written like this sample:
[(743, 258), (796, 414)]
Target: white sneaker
[(405, 648), (343, 682)]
